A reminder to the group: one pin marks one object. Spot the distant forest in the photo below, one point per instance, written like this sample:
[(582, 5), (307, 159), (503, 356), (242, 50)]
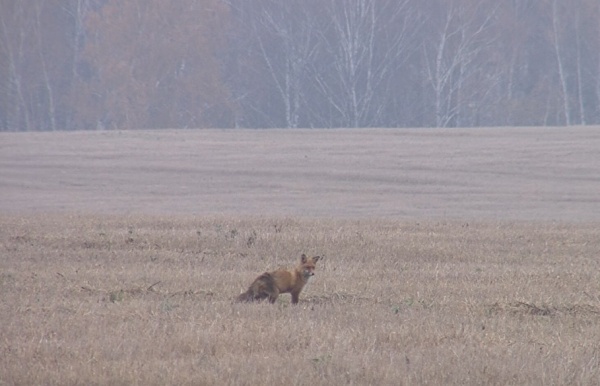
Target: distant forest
[(114, 64)]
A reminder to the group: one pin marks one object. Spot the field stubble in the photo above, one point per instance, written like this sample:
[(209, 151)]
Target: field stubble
[(138, 299)]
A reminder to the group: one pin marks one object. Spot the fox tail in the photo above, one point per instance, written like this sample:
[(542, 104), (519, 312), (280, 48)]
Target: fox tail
[(246, 296)]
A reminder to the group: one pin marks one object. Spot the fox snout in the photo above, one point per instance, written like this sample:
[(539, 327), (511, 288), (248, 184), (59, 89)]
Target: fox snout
[(308, 273)]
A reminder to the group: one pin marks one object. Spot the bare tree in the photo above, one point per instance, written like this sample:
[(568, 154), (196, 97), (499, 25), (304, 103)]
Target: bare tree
[(15, 41), (286, 36), (35, 74), (367, 42), (453, 56), (47, 80), (480, 62), (558, 49)]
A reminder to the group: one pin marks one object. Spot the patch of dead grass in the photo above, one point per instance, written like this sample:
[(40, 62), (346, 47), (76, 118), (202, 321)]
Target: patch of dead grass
[(149, 300)]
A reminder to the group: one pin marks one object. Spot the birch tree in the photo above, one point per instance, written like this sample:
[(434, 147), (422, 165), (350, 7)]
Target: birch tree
[(285, 33), (367, 42), (586, 14), (15, 41), (453, 57), (34, 76), (560, 61)]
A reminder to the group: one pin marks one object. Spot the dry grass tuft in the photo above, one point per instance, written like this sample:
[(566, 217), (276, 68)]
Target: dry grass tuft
[(149, 300)]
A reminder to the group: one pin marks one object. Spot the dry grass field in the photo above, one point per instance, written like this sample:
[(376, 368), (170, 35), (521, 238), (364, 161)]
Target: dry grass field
[(148, 300), (450, 257)]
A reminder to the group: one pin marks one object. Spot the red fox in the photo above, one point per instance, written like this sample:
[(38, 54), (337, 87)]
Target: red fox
[(271, 284)]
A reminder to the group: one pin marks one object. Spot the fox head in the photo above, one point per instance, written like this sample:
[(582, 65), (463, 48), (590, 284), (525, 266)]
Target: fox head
[(307, 265)]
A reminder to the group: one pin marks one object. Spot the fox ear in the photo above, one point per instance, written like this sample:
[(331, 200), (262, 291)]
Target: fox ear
[(303, 258), (316, 258)]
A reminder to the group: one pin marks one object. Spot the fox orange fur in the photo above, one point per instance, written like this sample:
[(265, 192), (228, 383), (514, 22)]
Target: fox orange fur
[(271, 284)]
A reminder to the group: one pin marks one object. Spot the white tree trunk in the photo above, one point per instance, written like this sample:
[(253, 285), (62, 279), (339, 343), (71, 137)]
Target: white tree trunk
[(559, 59)]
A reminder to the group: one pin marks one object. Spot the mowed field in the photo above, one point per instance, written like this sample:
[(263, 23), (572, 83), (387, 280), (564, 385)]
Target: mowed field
[(504, 173), (464, 256)]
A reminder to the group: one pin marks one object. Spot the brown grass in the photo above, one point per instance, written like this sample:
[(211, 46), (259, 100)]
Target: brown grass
[(138, 299), (464, 256)]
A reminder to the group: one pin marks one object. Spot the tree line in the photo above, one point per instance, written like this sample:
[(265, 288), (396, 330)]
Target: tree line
[(110, 64)]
